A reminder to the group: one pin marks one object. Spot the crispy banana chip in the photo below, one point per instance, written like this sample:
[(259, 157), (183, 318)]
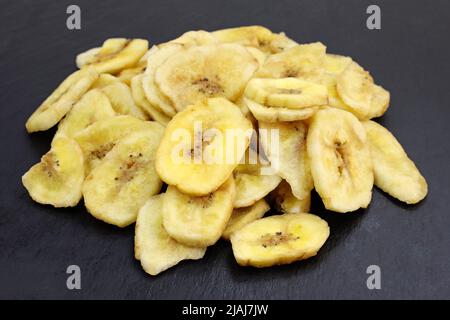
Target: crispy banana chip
[(279, 239), (286, 202), (198, 221), (243, 216), (104, 80), (395, 173), (116, 189), (55, 107), (202, 145), (153, 245), (115, 55), (119, 95), (288, 154), (275, 114), (57, 179), (198, 73), (340, 160), (93, 106), (100, 137), (195, 38), (137, 91), (301, 61)]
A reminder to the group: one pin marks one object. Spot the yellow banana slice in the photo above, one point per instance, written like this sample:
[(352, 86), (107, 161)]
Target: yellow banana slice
[(115, 55), (301, 61), (275, 114), (119, 95), (395, 173), (101, 136), (379, 102), (259, 55), (243, 216), (198, 221), (137, 91), (195, 38), (281, 43), (197, 73), (55, 107), (287, 154), (289, 93), (93, 106), (340, 160), (104, 80), (279, 239), (115, 190), (156, 57), (57, 179), (153, 246), (202, 145), (127, 74), (336, 64), (286, 202)]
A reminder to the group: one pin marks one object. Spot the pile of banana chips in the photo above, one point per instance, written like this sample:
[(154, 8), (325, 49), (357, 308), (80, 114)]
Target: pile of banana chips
[(229, 124)]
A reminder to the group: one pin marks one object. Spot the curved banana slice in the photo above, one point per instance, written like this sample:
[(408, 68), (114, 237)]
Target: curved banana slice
[(104, 80), (197, 73), (243, 216), (287, 154), (271, 114), (202, 145), (259, 55), (395, 173), (114, 55), (251, 187), (336, 64), (301, 61), (100, 137), (57, 179), (340, 160), (126, 75), (195, 38), (153, 245), (55, 107), (156, 57), (119, 95), (93, 106), (137, 91), (281, 43), (379, 102), (286, 202), (289, 93), (198, 221), (115, 190), (279, 239)]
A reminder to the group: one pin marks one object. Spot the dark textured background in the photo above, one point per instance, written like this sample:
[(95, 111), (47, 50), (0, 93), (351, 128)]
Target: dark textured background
[(409, 56)]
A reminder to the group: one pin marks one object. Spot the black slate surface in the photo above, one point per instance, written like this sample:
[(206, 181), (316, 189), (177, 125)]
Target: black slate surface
[(409, 56)]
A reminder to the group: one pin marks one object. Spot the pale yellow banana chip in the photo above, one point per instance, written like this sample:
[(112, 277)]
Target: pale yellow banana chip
[(284, 144), (336, 64), (286, 202), (275, 114), (340, 160), (243, 216), (119, 94), (279, 239), (195, 38), (93, 106), (137, 91), (104, 80), (55, 107), (126, 178), (197, 73), (57, 179), (198, 221), (115, 55), (395, 173), (153, 246), (202, 145)]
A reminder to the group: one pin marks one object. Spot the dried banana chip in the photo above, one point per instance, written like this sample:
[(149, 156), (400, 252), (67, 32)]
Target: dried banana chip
[(279, 239), (195, 38), (116, 189), (198, 221), (57, 179), (119, 95), (275, 114), (395, 173), (286, 202), (153, 245)]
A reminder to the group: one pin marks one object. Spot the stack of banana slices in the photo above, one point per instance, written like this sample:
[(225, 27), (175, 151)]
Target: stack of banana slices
[(131, 116)]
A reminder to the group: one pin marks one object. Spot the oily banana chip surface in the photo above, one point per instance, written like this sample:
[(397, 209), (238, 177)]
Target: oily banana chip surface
[(287, 154), (153, 246), (286, 202), (395, 173), (243, 216), (340, 160), (55, 107), (57, 178), (196, 154), (198, 221), (116, 189), (279, 239), (198, 73)]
